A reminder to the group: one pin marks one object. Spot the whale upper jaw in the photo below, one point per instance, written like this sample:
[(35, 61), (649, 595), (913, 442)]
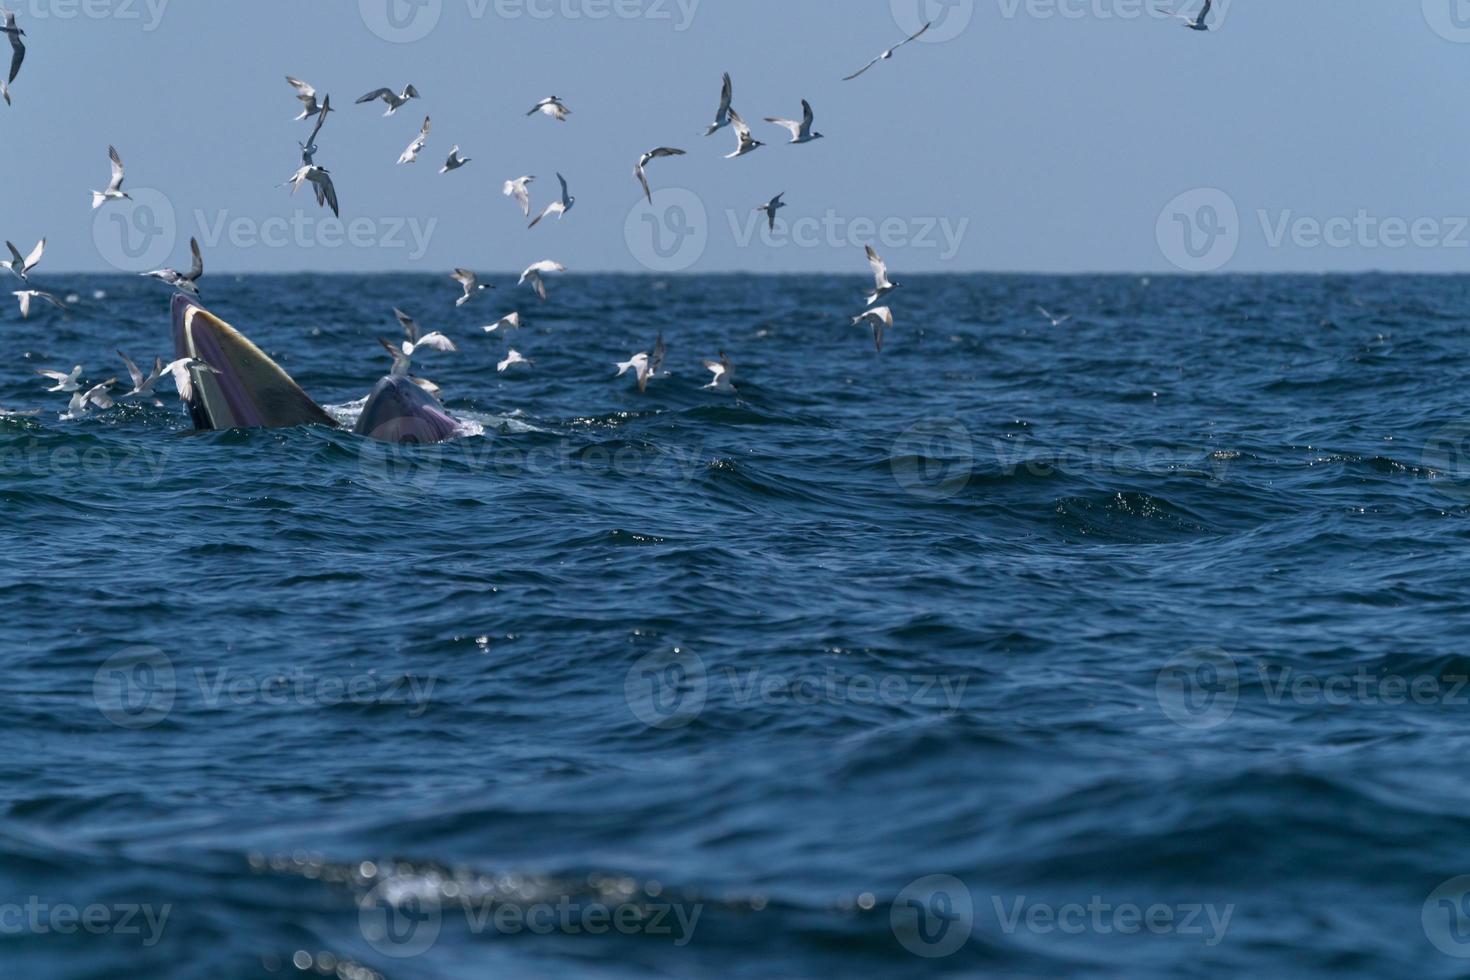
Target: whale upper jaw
[(400, 411)]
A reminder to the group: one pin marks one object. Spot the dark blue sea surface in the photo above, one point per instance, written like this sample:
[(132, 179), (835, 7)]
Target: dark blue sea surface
[(1134, 646)]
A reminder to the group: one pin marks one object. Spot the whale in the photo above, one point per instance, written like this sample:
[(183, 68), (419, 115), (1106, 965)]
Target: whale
[(246, 389)]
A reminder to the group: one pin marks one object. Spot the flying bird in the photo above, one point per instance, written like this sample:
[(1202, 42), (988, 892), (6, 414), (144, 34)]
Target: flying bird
[(472, 286), (801, 132), (411, 154), (724, 374), (512, 322), (534, 274), (143, 385), (114, 190), (771, 207), (455, 161), (1056, 321), (638, 364), (882, 285), (520, 190), (722, 115), (511, 359), (889, 53), (185, 281), (64, 382), (557, 208), (551, 106), (1198, 23), (748, 143), (321, 180), (17, 49), (394, 102), (881, 319), (643, 161), (307, 95), (26, 295), (22, 265), (417, 339), (82, 402)]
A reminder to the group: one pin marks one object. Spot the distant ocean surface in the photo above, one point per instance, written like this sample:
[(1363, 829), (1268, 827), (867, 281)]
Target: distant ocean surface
[(1134, 646)]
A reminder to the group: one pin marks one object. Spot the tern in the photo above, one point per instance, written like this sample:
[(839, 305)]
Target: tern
[(638, 364), (455, 161), (722, 115), (143, 385), (64, 382), (22, 265), (770, 208), (411, 154), (472, 286), (307, 95), (748, 143), (886, 55), (801, 132), (17, 49), (182, 371), (1056, 321), (534, 274), (321, 180), (882, 285), (881, 319), (511, 359), (557, 208), (1196, 24), (394, 102), (643, 161), (83, 402), (724, 373), (551, 106), (512, 322), (26, 295), (114, 190), (520, 190), (185, 281), (417, 339)]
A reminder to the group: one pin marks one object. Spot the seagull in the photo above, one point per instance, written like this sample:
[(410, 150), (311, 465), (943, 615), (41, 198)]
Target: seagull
[(881, 319), (185, 281), (889, 53), (557, 208), (307, 95), (552, 107), (308, 149), (534, 273), (801, 132), (455, 161), (82, 402), (64, 382), (724, 373), (639, 365), (182, 373), (18, 50), (519, 190), (22, 266), (143, 386), (26, 295), (1197, 24), (321, 181), (512, 322), (418, 339), (772, 207), (512, 359), (394, 102), (662, 151), (748, 143), (472, 286), (1056, 321), (411, 154), (114, 190), (880, 277), (722, 115)]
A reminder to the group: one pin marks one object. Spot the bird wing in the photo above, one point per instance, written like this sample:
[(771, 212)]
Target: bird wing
[(643, 179), (1204, 11), (727, 93), (117, 169), (378, 93), (410, 92), (741, 128), (197, 268), (790, 124), (304, 92), (807, 116), (18, 54), (18, 262), (464, 277), (410, 327), (436, 341), (566, 197), (321, 119), (52, 300), (324, 183), (880, 268), (133, 371), (34, 258), (914, 36), (864, 68)]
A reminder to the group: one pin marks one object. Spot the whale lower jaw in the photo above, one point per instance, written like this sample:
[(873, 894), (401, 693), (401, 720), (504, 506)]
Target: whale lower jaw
[(400, 411)]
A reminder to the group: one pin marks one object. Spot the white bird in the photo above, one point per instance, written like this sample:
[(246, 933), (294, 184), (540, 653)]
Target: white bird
[(1198, 23), (394, 102), (26, 295), (551, 106), (534, 273), (722, 114), (512, 359), (82, 402), (1056, 321), (321, 180), (417, 339), (185, 281), (881, 318), (889, 53), (307, 95), (143, 385), (801, 132), (512, 322), (724, 373), (770, 208), (17, 49), (64, 382), (182, 372), (411, 154), (114, 190), (662, 151), (519, 190), (557, 208), (639, 365), (882, 285), (471, 283), (455, 161), (748, 143), (22, 265)]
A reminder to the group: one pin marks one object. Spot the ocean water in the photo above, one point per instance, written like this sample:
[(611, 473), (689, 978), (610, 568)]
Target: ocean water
[(1133, 646)]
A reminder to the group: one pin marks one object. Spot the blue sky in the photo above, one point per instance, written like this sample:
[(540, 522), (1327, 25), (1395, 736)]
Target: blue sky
[(1030, 135)]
